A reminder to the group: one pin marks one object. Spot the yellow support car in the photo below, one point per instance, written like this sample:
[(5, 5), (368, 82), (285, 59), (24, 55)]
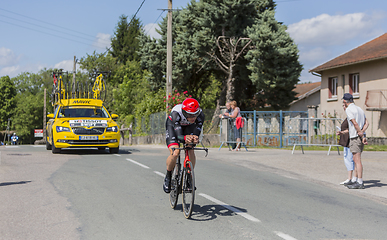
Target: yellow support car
[(82, 123)]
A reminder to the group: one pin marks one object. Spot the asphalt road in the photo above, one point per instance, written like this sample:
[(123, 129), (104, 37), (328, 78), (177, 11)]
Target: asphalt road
[(90, 194)]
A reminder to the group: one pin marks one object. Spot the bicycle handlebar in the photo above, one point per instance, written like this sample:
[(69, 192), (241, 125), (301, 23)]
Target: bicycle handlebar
[(186, 147)]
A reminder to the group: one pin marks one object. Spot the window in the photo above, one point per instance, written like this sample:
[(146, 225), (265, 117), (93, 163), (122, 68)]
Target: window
[(332, 87), (354, 84)]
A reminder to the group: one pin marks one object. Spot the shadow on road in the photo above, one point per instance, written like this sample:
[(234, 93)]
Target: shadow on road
[(209, 212), (373, 183), (91, 151), (13, 183)]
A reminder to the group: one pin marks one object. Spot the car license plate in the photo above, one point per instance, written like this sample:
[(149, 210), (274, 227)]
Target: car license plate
[(88, 137)]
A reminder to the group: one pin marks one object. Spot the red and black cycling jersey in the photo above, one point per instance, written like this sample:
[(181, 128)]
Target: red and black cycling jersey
[(177, 126)]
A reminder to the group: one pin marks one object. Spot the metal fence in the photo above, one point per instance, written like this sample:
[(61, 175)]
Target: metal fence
[(155, 124), (228, 132), (320, 132), (261, 128), (271, 128)]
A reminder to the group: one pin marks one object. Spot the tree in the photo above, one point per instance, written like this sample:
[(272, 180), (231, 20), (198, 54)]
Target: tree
[(153, 58), (99, 62), (274, 65), (134, 97), (28, 114), (125, 42), (7, 100), (211, 38)]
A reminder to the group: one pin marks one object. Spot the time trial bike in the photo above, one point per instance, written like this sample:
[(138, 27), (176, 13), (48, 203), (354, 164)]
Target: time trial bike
[(183, 181)]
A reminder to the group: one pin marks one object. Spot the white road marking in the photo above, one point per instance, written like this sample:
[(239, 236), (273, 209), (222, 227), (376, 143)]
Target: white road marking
[(159, 173), (139, 164), (38, 145), (118, 155), (284, 236), (237, 211), (11, 146)]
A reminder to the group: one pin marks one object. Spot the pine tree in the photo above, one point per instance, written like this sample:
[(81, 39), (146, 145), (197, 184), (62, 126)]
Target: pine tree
[(208, 35), (274, 64), (125, 42)]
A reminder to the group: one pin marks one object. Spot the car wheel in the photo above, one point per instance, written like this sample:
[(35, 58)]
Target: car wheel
[(114, 150), (53, 148), (48, 145)]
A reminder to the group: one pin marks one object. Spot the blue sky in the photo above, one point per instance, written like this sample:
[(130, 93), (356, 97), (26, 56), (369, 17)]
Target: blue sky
[(48, 34)]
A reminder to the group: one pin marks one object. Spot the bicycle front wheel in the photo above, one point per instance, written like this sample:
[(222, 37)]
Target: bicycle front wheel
[(173, 195), (188, 190)]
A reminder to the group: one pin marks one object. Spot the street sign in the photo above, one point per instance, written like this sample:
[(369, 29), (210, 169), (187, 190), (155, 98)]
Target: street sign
[(38, 133)]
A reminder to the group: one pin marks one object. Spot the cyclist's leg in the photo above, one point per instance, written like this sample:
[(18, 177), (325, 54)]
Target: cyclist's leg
[(171, 141), (172, 157)]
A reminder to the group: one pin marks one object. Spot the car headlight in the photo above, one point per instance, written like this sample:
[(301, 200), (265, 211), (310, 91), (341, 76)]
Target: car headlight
[(112, 129), (62, 129)]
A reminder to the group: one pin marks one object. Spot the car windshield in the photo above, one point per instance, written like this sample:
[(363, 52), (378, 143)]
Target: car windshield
[(76, 112)]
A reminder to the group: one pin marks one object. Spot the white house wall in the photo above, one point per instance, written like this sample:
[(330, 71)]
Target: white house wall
[(373, 76)]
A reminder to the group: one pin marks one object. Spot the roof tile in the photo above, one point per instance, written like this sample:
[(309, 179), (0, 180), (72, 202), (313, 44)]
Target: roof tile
[(372, 50)]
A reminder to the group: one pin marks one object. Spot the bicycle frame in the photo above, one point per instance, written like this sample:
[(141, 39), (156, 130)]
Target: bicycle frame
[(181, 179)]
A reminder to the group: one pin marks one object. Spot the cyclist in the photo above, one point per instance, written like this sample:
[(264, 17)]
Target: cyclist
[(184, 125)]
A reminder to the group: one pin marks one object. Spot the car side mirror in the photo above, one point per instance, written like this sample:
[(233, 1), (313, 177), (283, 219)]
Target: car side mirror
[(51, 115), (114, 116)]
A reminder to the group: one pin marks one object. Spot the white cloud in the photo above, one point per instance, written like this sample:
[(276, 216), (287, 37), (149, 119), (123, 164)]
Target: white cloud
[(326, 30), (8, 57), (11, 71), (150, 29), (66, 65), (311, 55), (102, 40)]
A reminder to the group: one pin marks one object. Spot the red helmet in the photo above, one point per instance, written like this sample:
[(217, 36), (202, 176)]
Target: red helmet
[(190, 108)]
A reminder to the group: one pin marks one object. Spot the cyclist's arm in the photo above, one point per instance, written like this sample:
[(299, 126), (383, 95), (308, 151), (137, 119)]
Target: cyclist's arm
[(175, 120), (199, 124)]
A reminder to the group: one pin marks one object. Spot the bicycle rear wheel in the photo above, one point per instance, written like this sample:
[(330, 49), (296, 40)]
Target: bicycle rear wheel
[(173, 195), (188, 190)]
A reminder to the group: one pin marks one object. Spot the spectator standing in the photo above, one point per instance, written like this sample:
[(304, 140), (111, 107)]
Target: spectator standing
[(356, 121), (228, 111), (236, 114), (348, 157)]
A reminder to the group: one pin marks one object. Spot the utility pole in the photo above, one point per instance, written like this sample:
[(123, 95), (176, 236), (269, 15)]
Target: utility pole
[(9, 119), (169, 52), (74, 70)]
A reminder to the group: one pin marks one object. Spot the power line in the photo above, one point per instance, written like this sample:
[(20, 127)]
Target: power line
[(128, 23), (56, 30), (50, 34), (45, 22), (156, 20)]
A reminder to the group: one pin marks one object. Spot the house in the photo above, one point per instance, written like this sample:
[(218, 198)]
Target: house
[(308, 95), (363, 73)]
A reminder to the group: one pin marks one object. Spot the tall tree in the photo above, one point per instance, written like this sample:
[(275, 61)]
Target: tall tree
[(211, 38), (274, 65), (7, 100), (28, 114), (125, 42)]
